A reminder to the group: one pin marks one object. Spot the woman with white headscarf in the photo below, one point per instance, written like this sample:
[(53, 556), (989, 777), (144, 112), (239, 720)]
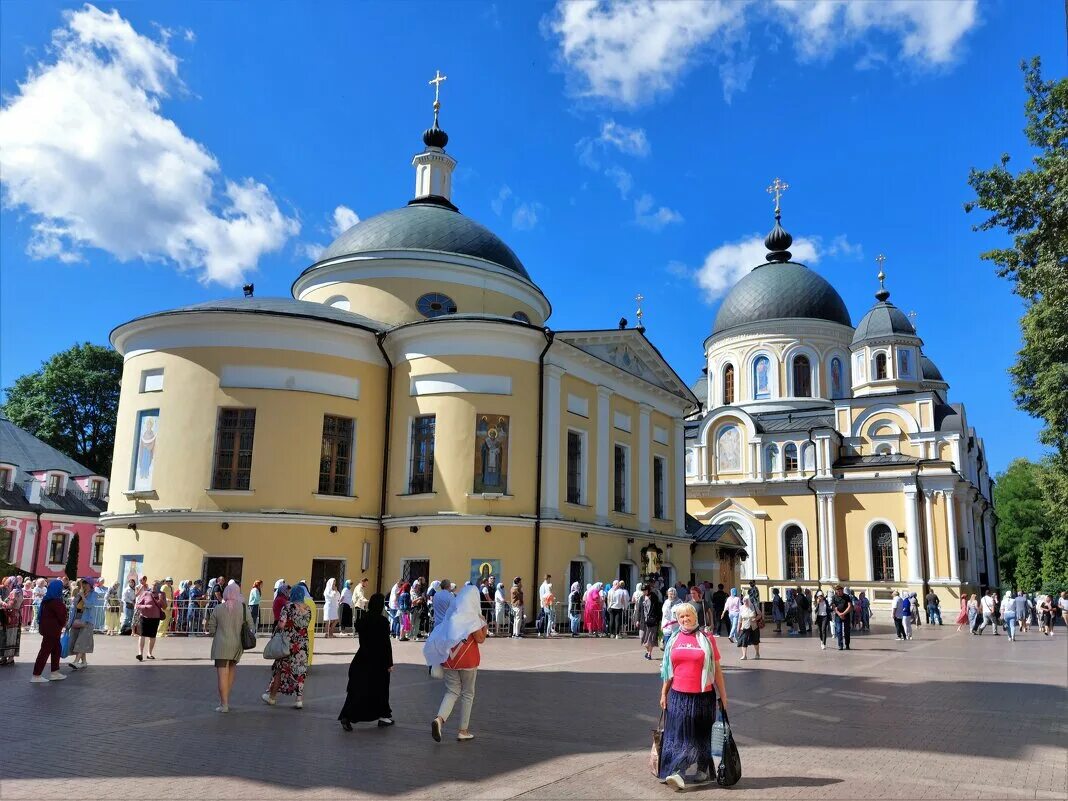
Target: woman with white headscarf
[(453, 647), (668, 623), (500, 608), (574, 608), (331, 607)]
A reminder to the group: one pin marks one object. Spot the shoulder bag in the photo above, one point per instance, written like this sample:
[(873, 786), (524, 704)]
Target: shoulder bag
[(655, 751), (730, 763), (248, 636), (276, 647)]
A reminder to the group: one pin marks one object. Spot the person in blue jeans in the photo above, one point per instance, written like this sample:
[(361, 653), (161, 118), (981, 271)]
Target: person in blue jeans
[(842, 610), (1008, 614), (934, 611)]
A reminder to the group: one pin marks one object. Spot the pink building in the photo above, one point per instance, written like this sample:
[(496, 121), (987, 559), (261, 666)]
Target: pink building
[(45, 499)]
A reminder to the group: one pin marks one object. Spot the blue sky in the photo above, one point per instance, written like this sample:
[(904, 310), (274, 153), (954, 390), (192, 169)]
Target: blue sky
[(154, 155)]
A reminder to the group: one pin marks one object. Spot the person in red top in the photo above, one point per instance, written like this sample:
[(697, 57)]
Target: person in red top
[(52, 621), (692, 679), (454, 646)]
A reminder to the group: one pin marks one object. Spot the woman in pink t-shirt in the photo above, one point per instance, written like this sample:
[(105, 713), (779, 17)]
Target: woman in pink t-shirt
[(692, 679)]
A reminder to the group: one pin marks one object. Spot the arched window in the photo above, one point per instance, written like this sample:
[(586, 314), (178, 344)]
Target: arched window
[(884, 450), (882, 553), (761, 378), (789, 455), (880, 366), (836, 378), (729, 450), (728, 385), (808, 457), (771, 459), (691, 462), (795, 553), (802, 377)]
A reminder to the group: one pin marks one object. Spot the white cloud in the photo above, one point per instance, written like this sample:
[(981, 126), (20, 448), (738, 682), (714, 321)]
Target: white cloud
[(344, 219), (841, 247), (497, 204), (648, 215), (311, 250), (629, 51), (85, 149), (631, 141), (730, 261), (525, 216), (623, 180)]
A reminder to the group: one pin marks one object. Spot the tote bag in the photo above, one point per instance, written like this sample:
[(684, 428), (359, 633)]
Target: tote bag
[(655, 751), (276, 647), (723, 745), (64, 645)]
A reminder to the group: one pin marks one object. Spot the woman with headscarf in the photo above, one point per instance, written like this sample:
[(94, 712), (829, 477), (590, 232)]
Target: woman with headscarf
[(289, 672), (404, 611), (574, 608), (11, 620), (224, 626), (149, 607), (346, 606), (331, 607), (255, 598), (668, 624), (80, 624), (865, 610), (648, 620), (281, 598), (749, 628), (367, 694), (453, 646), (779, 609), (593, 614), (731, 610), (692, 679), (51, 620), (500, 608), (112, 611)]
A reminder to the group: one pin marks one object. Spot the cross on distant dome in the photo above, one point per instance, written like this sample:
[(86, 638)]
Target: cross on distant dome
[(883, 294), (436, 82), (778, 188), (639, 298)]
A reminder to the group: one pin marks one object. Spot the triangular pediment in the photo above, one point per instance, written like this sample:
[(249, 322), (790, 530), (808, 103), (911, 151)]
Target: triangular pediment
[(628, 350)]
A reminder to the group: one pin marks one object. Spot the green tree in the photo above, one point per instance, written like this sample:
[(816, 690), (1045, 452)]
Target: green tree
[(1055, 563), (1028, 575), (1023, 516), (71, 403), (71, 568)]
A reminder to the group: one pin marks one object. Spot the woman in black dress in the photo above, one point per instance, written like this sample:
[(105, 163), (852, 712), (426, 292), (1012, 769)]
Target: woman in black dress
[(368, 690)]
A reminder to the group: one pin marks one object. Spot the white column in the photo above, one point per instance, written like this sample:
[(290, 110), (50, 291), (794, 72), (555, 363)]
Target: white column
[(821, 533), (912, 534), (679, 485), (604, 448), (951, 529), (551, 435), (969, 515), (832, 539), (643, 465), (758, 464), (928, 521)]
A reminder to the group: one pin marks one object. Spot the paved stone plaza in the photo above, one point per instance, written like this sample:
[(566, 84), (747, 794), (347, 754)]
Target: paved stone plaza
[(944, 716)]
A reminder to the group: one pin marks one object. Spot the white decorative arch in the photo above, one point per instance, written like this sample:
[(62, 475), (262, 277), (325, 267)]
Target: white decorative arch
[(873, 356), (774, 367), (782, 549), (867, 547), (814, 366), (748, 530), (908, 421), (712, 422), (716, 383)]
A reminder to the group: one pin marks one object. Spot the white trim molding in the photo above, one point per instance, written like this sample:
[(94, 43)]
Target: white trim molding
[(286, 378), (459, 383)]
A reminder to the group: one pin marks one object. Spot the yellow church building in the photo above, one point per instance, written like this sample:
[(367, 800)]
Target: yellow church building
[(406, 413)]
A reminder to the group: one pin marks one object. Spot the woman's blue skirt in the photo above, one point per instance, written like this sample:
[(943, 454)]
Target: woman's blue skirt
[(688, 733)]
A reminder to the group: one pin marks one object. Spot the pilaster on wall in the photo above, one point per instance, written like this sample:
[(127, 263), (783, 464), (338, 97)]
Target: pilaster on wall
[(552, 434), (912, 533), (604, 424), (644, 410), (679, 486), (951, 530)]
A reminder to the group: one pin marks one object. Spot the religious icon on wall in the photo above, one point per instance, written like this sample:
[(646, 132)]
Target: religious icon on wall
[(145, 456), (652, 560), (491, 453), (729, 449), (485, 569), (760, 377), (836, 377), (904, 361)]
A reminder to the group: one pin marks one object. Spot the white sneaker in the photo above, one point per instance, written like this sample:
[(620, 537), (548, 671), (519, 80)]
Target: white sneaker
[(55, 675), (823, 647), (38, 680), (298, 705), (676, 781), (266, 698), (222, 708)]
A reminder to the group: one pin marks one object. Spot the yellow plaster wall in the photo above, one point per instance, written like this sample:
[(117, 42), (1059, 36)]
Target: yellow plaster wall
[(853, 514), (783, 509), (288, 436), (585, 512), (628, 519), (392, 300)]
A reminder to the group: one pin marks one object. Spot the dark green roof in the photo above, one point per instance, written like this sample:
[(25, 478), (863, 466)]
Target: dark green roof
[(427, 227), (778, 291), (930, 370), (883, 321)]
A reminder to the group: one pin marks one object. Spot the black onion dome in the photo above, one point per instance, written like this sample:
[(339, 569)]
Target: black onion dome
[(777, 291), (435, 137), (778, 243)]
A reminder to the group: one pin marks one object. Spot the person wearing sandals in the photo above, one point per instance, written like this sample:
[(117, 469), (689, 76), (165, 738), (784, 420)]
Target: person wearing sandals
[(224, 626), (367, 694), (452, 648), (692, 679)]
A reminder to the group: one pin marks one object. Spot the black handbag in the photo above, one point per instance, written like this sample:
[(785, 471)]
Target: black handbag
[(248, 636), (730, 764)]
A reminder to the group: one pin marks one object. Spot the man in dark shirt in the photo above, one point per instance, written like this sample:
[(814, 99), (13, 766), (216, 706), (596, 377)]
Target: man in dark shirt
[(719, 600), (934, 613), (842, 608)]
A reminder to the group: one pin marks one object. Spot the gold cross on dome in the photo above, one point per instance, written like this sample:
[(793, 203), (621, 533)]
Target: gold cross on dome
[(436, 82), (777, 188)]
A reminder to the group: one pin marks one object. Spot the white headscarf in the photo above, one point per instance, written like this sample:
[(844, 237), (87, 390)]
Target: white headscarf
[(463, 617), (331, 586)]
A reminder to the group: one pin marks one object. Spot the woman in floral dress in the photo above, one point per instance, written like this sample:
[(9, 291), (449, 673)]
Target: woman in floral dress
[(288, 673)]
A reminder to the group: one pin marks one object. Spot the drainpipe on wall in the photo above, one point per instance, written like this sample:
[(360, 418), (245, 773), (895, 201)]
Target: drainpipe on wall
[(379, 339), (549, 336)]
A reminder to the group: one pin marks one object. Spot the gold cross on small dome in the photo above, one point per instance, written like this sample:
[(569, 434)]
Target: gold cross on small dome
[(436, 82), (778, 188)]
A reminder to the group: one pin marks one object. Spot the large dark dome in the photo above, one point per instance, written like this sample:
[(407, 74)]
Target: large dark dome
[(427, 227), (777, 291)]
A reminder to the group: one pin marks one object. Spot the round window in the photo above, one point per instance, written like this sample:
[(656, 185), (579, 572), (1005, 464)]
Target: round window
[(434, 304), (522, 317)]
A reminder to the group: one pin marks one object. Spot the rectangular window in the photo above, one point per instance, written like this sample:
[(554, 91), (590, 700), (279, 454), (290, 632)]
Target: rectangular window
[(335, 461), (228, 567), (620, 479), (574, 467), (7, 545), (658, 487), (421, 473), (55, 484), (98, 549), (96, 490), (5, 478), (234, 435), (152, 380), (57, 549), (322, 571)]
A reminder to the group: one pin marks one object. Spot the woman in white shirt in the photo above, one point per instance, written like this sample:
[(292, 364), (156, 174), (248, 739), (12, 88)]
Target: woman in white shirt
[(346, 606), (331, 607)]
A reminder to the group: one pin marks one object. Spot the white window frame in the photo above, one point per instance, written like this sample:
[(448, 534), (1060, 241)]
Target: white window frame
[(628, 495), (66, 546), (8, 472), (62, 485), (147, 375), (891, 372), (894, 549), (663, 488), (814, 370), (797, 452), (807, 572), (92, 553), (584, 463)]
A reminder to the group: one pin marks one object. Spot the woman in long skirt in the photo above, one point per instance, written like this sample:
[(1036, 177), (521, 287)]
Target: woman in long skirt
[(10, 620), (80, 625), (692, 678), (367, 695), (346, 607), (289, 672), (593, 615), (748, 629), (648, 621)]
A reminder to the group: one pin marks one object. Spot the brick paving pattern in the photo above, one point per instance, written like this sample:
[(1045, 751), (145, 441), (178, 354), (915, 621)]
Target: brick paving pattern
[(943, 716)]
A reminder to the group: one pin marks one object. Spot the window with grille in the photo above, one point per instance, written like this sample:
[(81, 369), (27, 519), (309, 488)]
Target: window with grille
[(98, 549), (574, 467), (882, 553), (234, 434), (795, 553), (789, 455), (421, 471), (658, 488), (335, 459), (728, 385), (57, 549), (620, 479), (802, 377), (55, 484), (880, 366)]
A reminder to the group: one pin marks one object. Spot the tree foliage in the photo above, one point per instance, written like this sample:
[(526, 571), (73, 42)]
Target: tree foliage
[(71, 568), (1023, 518), (71, 403)]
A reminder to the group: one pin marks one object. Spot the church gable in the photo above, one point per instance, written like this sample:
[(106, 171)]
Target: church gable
[(632, 353)]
